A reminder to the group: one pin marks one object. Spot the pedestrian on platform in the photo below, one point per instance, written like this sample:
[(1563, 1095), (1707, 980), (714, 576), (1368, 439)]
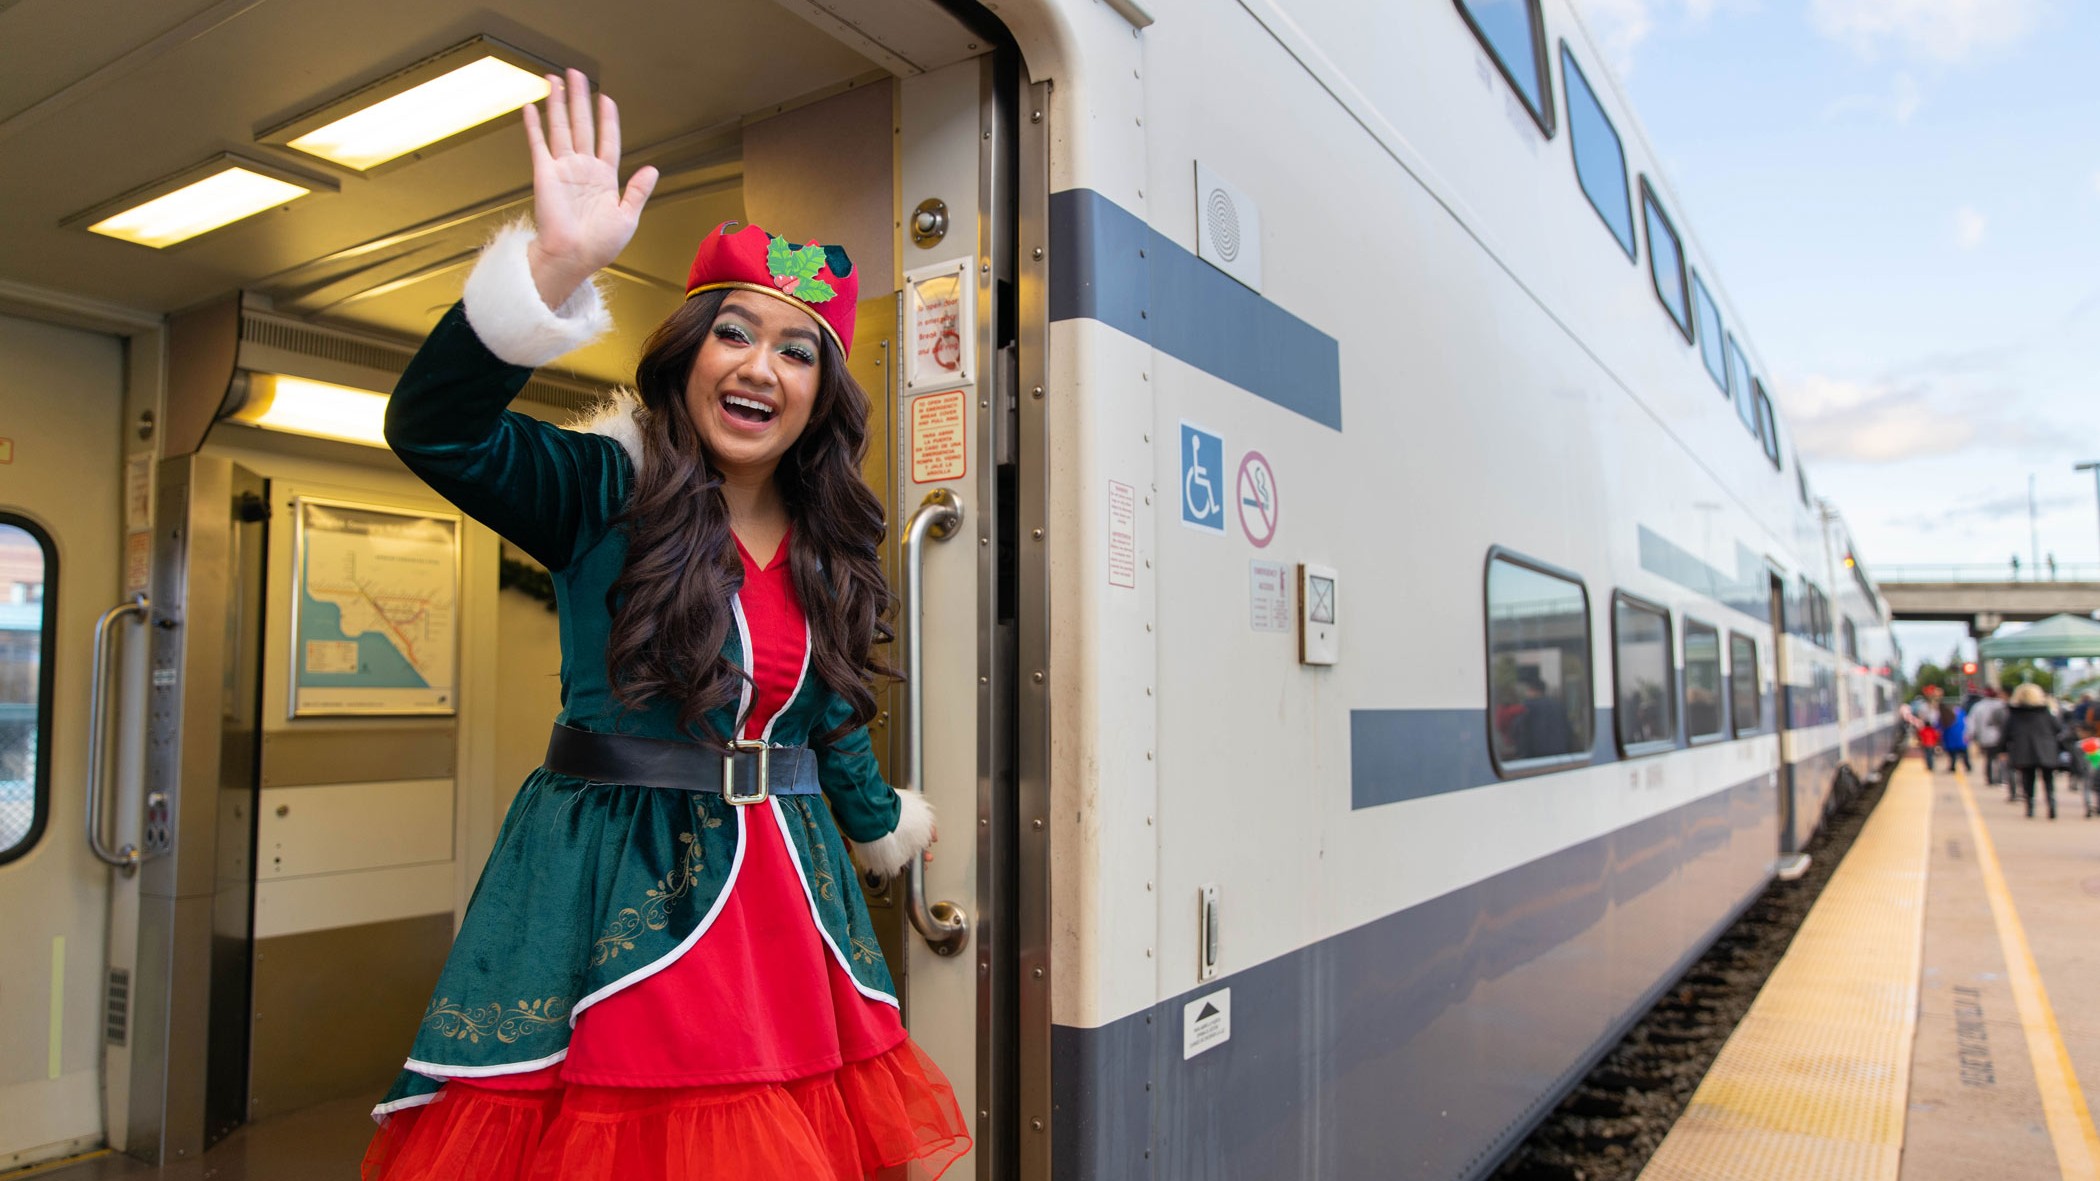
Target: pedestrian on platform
[(1986, 732), (1929, 731), (2034, 743), (1954, 737), (667, 971)]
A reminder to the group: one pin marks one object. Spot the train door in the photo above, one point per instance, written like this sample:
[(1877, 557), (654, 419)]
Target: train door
[(1781, 706), (62, 391)]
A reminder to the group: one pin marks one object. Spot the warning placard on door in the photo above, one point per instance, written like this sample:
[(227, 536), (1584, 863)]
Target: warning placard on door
[(938, 324), (1122, 534), (940, 439), (1206, 1022)]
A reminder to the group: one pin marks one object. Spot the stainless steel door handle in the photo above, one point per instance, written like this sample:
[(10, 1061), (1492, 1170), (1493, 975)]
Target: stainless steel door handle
[(944, 925), (126, 858)]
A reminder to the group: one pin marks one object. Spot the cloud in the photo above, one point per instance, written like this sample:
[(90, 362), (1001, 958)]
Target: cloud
[(1858, 422), (1948, 31), (2012, 505), (1968, 227), (1619, 26), (1898, 105)]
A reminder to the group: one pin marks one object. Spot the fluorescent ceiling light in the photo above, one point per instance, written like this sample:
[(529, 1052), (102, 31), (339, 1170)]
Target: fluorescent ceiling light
[(300, 406), (197, 200), (460, 89)]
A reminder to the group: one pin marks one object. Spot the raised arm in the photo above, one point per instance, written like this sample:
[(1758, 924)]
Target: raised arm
[(528, 301)]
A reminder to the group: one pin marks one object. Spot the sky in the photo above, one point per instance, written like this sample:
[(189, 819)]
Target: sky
[(1902, 200)]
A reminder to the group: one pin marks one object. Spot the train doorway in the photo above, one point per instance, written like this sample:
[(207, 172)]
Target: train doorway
[(309, 841), (1782, 721)]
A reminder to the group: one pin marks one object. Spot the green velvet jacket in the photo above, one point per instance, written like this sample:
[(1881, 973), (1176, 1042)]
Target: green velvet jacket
[(590, 883)]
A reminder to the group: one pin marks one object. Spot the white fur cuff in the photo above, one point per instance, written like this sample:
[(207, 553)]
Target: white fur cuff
[(914, 832), (506, 311)]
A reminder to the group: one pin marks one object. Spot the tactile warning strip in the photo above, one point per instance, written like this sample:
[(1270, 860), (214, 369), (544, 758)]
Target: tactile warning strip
[(1812, 1085)]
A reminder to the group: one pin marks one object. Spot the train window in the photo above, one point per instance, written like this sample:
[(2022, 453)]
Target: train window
[(1851, 635), (1515, 37), (1709, 318), (1702, 681), (28, 597), (1739, 381), (1801, 478), (1768, 427), (1666, 261), (1643, 671), (1742, 682), (1538, 633), (1600, 159)]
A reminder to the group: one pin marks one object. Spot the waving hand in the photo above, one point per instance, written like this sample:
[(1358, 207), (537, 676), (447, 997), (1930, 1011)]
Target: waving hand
[(585, 219)]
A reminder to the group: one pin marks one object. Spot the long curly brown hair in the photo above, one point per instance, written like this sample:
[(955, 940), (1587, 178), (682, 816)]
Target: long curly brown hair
[(671, 609)]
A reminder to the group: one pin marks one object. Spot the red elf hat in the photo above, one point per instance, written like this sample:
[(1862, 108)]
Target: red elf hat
[(817, 279)]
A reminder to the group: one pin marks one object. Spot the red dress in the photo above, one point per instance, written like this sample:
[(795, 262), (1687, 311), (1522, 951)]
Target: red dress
[(752, 1057)]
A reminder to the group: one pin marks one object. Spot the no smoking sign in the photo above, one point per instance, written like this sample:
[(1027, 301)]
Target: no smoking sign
[(1256, 494)]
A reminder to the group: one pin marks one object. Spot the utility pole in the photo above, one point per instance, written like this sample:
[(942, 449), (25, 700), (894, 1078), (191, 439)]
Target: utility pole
[(2034, 534), (2095, 469)]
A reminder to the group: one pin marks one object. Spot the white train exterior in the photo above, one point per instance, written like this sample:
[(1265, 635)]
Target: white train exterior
[(1387, 636)]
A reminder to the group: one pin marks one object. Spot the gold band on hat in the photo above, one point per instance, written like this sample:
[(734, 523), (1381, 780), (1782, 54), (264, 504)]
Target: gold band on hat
[(776, 293)]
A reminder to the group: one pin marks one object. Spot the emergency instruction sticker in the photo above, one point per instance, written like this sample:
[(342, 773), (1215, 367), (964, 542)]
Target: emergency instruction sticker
[(1268, 596), (940, 444), (1206, 1022), (939, 323), (1122, 535)]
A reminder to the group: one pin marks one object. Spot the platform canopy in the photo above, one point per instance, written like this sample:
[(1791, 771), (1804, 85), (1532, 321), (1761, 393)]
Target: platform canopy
[(2058, 635)]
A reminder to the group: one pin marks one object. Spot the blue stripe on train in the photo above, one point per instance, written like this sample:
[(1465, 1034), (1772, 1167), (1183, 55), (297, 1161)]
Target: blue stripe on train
[(1108, 265), (1425, 1043)]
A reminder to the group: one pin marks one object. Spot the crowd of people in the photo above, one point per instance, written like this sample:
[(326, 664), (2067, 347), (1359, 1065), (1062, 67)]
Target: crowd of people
[(2022, 738)]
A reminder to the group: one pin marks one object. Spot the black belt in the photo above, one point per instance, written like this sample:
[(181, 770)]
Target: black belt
[(745, 774)]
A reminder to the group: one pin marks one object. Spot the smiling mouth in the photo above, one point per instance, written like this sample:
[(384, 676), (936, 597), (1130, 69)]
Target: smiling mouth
[(747, 409)]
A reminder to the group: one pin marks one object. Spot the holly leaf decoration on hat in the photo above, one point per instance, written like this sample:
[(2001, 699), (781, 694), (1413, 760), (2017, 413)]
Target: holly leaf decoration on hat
[(794, 270)]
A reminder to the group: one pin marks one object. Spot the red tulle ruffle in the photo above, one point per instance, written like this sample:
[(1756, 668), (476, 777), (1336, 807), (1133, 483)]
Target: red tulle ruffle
[(844, 1126)]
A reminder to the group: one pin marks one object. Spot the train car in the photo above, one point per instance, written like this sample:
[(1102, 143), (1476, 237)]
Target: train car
[(1369, 628)]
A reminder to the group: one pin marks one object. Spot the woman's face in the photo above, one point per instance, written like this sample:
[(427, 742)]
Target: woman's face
[(754, 383)]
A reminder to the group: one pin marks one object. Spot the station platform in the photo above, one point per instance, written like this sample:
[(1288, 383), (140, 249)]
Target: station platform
[(1931, 1020)]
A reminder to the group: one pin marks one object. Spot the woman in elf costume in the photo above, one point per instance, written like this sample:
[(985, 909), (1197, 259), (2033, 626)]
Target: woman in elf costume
[(667, 970)]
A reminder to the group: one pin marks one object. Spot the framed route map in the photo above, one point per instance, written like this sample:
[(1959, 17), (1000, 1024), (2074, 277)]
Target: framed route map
[(375, 610)]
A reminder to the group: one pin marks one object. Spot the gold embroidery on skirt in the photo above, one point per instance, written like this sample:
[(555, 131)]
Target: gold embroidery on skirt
[(505, 1023), (654, 914)]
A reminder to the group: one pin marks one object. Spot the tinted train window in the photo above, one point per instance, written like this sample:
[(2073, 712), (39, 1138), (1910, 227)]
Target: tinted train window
[(1743, 682), (1643, 667), (1768, 427), (1516, 38), (1600, 159), (1666, 261), (1702, 681), (27, 600), (1709, 333), (1739, 381), (1538, 632)]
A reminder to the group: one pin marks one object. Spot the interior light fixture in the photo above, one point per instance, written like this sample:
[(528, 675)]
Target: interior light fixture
[(176, 208), (437, 99), (301, 406)]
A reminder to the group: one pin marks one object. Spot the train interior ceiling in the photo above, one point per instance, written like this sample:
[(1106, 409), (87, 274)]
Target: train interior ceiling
[(765, 111)]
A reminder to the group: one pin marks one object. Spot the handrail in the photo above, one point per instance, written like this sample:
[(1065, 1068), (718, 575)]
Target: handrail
[(126, 858), (945, 926)]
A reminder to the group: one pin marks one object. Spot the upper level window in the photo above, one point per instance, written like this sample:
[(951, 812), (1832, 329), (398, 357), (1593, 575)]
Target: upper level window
[(1801, 478), (1709, 318), (1767, 426), (1538, 631), (1600, 159), (1666, 261), (1742, 682), (28, 598), (1644, 669), (1702, 681), (1850, 631), (1515, 37), (1739, 381)]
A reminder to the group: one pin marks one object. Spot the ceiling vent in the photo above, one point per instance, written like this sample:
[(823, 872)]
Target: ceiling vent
[(1228, 228)]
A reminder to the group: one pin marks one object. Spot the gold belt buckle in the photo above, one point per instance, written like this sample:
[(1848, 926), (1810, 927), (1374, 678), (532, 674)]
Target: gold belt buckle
[(746, 746)]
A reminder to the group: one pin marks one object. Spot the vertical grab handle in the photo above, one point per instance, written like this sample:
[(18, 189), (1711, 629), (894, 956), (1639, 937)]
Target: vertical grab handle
[(126, 858), (944, 925)]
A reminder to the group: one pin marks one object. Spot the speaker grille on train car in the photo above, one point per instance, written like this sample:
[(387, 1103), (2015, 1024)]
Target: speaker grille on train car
[(116, 1010)]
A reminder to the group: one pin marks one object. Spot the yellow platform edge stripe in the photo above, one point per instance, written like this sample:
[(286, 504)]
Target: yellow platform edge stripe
[(2064, 1109), (1813, 1085)]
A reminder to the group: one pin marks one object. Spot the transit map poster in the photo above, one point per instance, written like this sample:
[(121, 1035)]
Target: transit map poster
[(375, 621)]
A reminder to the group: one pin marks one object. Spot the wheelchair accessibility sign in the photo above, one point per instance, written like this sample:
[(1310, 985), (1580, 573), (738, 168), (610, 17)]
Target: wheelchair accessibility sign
[(1204, 484)]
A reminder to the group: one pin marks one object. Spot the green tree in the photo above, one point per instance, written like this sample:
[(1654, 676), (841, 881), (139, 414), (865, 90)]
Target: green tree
[(1948, 681), (2027, 670)]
